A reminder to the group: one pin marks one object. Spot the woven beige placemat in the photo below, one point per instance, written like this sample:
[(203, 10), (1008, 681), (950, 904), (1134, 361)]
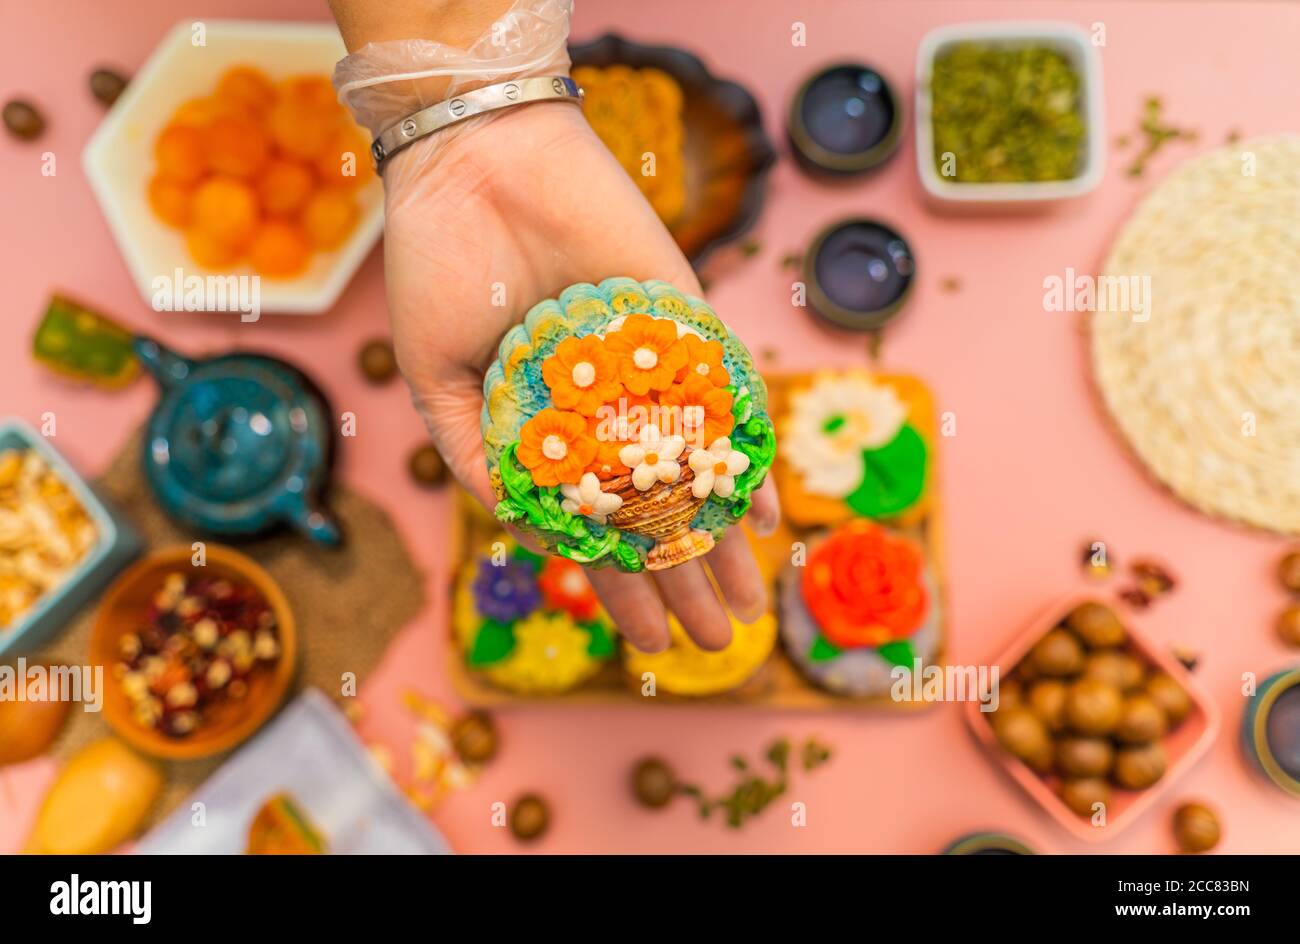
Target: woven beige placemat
[(348, 602), (1207, 388)]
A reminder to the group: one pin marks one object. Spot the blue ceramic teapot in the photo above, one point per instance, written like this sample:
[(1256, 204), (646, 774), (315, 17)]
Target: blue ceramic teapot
[(237, 444)]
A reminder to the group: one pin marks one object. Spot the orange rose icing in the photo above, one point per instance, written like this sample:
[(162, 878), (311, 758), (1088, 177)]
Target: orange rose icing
[(864, 586)]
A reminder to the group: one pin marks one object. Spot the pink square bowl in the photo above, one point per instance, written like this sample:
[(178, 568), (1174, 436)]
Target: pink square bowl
[(1184, 745)]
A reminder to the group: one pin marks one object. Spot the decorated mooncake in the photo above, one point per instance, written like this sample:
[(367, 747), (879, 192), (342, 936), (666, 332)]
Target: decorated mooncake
[(852, 445), (864, 601), (686, 669), (529, 624), (624, 424)]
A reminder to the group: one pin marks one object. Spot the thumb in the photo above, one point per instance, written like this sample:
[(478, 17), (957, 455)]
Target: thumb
[(452, 417)]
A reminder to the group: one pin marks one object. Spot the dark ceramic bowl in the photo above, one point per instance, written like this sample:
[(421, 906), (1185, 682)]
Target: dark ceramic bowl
[(859, 273), (727, 153), (844, 120)]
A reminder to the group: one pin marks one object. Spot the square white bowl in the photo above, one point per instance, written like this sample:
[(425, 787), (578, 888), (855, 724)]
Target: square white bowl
[(119, 159), (1071, 41)]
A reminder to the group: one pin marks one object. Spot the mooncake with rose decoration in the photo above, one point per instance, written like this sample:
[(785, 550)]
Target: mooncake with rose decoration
[(854, 443), (863, 602), (625, 425), (529, 624)]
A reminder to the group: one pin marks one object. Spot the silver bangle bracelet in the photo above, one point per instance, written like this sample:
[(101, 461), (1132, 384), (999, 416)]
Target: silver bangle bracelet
[(543, 88)]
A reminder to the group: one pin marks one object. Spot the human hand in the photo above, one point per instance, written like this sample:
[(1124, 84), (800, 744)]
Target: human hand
[(518, 208)]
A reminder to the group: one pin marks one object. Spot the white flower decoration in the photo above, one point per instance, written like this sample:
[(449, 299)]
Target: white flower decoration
[(716, 469), (653, 458), (588, 500), (832, 423)]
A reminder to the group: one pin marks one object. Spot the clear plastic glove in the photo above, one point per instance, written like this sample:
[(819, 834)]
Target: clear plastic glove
[(514, 208)]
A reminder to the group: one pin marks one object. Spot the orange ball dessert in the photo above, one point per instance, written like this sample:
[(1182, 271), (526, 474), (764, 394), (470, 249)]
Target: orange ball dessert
[(260, 173)]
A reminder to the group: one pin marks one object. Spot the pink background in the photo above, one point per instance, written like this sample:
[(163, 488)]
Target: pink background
[(1032, 472)]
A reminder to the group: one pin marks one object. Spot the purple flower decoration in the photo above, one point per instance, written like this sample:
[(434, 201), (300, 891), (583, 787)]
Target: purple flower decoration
[(507, 592)]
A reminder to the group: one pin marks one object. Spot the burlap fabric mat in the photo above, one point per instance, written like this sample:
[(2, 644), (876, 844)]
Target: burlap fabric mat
[(349, 601)]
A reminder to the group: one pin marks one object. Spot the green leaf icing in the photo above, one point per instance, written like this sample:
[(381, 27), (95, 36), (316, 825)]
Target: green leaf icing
[(492, 643), (899, 652), (602, 643), (823, 650), (893, 476), (539, 510)]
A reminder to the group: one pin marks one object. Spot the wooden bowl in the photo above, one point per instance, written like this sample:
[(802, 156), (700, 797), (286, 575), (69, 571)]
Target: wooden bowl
[(226, 724), (1183, 746)]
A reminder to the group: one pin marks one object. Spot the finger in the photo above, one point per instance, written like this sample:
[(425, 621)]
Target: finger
[(736, 571), (689, 593), (452, 416), (633, 605), (765, 512)]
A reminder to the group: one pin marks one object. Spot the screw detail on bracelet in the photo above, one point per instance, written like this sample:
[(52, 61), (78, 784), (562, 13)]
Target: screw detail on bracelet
[(430, 120)]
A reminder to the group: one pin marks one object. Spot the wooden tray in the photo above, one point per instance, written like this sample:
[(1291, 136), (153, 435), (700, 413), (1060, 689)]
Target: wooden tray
[(779, 683)]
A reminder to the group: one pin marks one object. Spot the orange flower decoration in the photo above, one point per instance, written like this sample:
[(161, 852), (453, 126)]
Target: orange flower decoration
[(864, 587), (616, 424), (648, 353), (582, 375), (556, 447), (701, 412), (564, 587), (704, 358)]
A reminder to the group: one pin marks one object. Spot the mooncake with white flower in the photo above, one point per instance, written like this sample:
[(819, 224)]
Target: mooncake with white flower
[(625, 425), (853, 444), (529, 624)]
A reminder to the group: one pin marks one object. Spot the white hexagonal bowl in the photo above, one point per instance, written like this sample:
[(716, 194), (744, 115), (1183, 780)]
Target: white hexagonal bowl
[(119, 160)]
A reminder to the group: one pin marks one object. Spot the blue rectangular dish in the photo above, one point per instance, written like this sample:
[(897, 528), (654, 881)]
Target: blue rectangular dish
[(117, 546)]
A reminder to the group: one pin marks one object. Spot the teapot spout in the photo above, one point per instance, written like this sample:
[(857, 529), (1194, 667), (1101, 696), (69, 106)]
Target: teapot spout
[(166, 366)]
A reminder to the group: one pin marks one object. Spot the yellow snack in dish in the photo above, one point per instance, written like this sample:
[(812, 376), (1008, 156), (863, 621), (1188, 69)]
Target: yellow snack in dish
[(637, 113)]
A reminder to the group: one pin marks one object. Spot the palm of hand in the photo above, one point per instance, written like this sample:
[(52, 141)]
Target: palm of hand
[(507, 214)]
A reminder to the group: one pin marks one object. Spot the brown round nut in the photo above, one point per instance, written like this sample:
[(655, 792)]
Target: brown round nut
[(1122, 669), (1140, 720), (1082, 794), (1058, 654), (529, 817), (107, 85), (1196, 828), (22, 120), (1097, 625), (1084, 757), (378, 361), (1092, 707), (426, 466), (1170, 696), (1011, 692), (1024, 736), (1047, 700), (475, 738), (1288, 625), (1137, 768), (653, 783), (1288, 571)]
